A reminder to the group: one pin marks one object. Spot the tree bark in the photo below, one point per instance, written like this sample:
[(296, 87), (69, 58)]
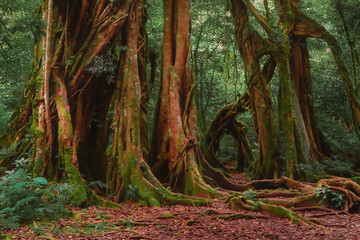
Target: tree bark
[(252, 46), (175, 142)]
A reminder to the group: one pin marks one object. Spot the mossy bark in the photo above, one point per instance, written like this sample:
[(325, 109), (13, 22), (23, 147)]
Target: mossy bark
[(84, 63), (176, 153), (252, 47), (225, 123), (129, 177), (299, 139)]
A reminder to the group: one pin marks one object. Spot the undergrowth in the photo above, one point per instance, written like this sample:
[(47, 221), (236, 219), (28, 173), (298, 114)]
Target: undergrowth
[(24, 199), (315, 171), (331, 198)]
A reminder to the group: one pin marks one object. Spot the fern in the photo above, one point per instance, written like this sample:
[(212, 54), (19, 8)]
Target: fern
[(24, 199)]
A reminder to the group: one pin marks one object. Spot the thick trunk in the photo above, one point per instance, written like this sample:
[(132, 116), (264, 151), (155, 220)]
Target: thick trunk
[(129, 177), (176, 150), (312, 141), (65, 140), (84, 39)]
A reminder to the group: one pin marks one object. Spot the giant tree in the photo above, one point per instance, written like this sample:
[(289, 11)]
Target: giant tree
[(83, 115)]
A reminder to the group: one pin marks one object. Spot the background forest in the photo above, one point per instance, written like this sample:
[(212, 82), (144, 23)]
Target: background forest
[(104, 159)]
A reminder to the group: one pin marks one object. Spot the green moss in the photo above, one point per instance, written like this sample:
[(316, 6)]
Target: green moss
[(168, 215), (78, 192), (37, 131)]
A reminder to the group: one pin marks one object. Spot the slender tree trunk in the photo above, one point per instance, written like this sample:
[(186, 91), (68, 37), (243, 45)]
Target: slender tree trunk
[(249, 42)]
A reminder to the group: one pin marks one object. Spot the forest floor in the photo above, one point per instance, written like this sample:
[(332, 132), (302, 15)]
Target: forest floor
[(216, 221)]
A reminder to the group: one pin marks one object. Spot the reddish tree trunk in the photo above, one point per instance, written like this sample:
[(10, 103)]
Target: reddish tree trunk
[(176, 149)]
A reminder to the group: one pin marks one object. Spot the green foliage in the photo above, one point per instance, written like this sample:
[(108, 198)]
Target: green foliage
[(132, 192), (128, 223), (312, 172), (329, 197), (250, 194), (18, 26), (104, 65), (24, 199), (316, 170), (98, 184)]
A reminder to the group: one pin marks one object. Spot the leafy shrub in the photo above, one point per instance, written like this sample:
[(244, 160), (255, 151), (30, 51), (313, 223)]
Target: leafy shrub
[(104, 65), (250, 194), (132, 192), (312, 171), (24, 199), (331, 198), (315, 170)]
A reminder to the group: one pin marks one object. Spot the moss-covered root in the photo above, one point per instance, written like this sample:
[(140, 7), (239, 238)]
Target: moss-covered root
[(144, 187), (157, 196), (241, 202), (195, 184), (98, 201)]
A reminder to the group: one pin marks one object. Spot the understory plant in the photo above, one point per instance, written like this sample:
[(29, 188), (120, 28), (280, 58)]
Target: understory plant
[(328, 197), (24, 198)]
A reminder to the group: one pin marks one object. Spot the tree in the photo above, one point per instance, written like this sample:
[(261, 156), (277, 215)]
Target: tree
[(300, 140), (87, 93), (175, 145)]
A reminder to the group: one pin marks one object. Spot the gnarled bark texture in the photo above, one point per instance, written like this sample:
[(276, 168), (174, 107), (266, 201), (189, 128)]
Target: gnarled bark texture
[(86, 102), (175, 145), (299, 139)]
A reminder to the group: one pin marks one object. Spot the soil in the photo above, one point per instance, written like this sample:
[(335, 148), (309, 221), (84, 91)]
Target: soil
[(216, 221)]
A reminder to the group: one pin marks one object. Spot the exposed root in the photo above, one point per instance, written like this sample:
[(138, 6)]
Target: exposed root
[(337, 192), (240, 216), (154, 193), (271, 208), (329, 213)]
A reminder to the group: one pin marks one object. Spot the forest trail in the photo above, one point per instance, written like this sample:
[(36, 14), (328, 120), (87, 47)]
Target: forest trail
[(216, 221)]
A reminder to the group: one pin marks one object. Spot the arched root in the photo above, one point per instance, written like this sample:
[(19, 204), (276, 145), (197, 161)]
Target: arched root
[(301, 196), (278, 210)]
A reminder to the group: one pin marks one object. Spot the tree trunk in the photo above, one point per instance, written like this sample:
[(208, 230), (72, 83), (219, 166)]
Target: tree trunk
[(175, 142), (249, 42), (225, 123), (299, 140), (90, 77), (129, 176), (302, 87)]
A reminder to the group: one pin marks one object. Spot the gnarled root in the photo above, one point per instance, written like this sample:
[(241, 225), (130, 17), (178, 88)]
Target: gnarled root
[(300, 196), (279, 210)]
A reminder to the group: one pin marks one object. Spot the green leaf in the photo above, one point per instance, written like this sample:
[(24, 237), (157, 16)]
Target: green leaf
[(19, 185), (40, 180)]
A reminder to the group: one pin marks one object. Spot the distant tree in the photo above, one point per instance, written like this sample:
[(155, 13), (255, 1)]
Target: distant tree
[(300, 140)]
